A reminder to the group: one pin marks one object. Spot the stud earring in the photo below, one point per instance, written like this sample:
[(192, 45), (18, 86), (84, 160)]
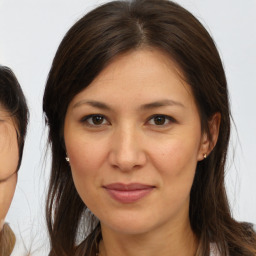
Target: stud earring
[(205, 155), (67, 159)]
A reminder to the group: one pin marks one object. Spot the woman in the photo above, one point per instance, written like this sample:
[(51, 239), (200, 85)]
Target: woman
[(13, 126), (137, 107)]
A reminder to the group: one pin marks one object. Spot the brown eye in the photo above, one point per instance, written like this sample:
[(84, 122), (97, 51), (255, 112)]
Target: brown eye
[(159, 120), (95, 120)]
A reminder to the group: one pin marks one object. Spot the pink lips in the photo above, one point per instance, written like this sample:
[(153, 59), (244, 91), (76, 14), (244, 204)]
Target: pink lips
[(128, 193)]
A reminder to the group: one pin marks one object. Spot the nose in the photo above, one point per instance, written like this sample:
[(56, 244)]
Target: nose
[(127, 152)]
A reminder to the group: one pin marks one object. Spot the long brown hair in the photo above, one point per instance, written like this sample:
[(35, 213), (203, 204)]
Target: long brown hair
[(89, 46)]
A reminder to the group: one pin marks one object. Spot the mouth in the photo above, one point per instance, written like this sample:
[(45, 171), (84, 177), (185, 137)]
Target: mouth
[(128, 193)]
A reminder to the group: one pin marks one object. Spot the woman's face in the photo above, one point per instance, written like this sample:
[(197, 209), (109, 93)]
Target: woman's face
[(9, 157), (134, 139)]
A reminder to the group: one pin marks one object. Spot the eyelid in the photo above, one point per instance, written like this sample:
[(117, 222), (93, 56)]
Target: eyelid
[(85, 119), (171, 119)]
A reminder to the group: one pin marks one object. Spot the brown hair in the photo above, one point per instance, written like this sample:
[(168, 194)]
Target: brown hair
[(88, 47), (7, 241)]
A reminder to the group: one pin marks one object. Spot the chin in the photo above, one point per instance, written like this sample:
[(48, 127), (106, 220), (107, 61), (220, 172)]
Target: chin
[(129, 225), (130, 229)]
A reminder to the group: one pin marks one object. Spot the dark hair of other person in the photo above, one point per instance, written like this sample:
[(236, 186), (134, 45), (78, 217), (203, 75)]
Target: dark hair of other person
[(88, 47), (13, 101)]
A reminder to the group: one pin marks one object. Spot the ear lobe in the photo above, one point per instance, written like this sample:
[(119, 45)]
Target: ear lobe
[(209, 141)]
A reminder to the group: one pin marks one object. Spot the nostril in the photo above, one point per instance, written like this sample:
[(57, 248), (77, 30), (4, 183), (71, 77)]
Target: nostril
[(126, 153), (127, 166)]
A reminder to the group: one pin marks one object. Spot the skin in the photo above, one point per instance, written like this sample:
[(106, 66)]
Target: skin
[(9, 157), (128, 146)]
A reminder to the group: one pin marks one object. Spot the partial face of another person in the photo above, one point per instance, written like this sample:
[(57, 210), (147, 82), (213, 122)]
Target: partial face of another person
[(134, 138), (9, 157)]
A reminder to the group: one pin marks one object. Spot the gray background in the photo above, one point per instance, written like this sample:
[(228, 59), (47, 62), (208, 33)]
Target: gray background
[(31, 30)]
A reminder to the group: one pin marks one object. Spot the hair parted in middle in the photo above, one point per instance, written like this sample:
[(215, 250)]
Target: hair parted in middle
[(88, 47)]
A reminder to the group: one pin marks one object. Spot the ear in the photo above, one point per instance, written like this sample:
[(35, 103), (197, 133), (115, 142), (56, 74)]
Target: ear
[(208, 142)]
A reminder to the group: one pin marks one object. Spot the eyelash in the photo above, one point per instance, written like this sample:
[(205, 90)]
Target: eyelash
[(153, 117), (166, 118), (87, 118)]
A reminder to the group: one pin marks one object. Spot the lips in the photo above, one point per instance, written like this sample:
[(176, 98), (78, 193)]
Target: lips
[(128, 193)]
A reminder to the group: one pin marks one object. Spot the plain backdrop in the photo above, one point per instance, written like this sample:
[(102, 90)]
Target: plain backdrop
[(30, 32)]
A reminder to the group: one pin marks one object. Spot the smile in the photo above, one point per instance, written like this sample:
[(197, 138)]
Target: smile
[(128, 193)]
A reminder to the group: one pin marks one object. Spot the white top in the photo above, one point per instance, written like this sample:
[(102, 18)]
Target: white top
[(214, 250)]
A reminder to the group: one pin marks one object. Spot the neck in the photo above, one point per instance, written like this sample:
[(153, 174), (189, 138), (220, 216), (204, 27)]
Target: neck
[(180, 240)]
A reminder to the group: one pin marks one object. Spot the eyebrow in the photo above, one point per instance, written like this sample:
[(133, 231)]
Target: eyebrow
[(151, 105), (92, 103), (162, 103)]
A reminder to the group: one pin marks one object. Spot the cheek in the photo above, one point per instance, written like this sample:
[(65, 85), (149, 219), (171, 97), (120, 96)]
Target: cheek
[(177, 155), (176, 162), (9, 154), (85, 160), (7, 189), (85, 156)]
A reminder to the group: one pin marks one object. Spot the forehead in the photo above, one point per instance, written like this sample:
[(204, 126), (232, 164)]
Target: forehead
[(4, 113), (139, 64), (6, 117), (145, 74)]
